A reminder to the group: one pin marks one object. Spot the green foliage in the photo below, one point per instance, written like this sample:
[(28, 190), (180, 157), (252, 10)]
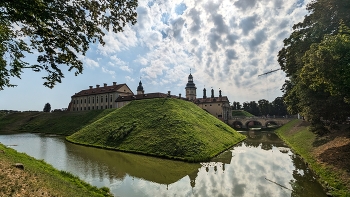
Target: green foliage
[(170, 128), (327, 65), (64, 123), (47, 107), (60, 182), (316, 59), (58, 31), (241, 113), (264, 107)]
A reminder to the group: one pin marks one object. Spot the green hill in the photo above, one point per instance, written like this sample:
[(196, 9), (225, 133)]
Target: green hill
[(164, 127), (241, 113), (64, 123)]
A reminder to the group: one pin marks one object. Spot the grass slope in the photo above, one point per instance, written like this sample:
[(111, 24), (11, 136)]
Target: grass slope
[(301, 140), (241, 113), (164, 127), (64, 123), (39, 178)]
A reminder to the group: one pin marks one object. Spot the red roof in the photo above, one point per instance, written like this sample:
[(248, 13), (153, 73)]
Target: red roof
[(100, 90), (212, 100), (143, 96)]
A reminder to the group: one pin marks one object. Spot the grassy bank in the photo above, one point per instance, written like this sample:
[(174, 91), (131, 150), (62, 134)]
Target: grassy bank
[(64, 123), (306, 144), (169, 128), (39, 178), (241, 113)]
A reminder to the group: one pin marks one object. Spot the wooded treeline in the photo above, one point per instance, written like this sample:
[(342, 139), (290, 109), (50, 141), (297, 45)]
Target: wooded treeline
[(316, 58), (263, 107)]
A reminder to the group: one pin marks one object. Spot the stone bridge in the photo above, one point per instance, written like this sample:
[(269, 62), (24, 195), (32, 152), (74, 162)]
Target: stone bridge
[(257, 122)]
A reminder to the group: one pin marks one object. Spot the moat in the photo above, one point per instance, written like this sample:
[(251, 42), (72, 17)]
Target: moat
[(259, 166)]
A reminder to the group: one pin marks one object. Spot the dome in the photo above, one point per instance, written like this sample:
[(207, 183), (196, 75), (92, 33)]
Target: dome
[(190, 83), (140, 87)]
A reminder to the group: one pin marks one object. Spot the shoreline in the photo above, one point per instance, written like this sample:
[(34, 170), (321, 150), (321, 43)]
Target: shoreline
[(335, 180)]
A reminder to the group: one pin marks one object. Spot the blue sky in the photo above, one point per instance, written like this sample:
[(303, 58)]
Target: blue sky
[(226, 44)]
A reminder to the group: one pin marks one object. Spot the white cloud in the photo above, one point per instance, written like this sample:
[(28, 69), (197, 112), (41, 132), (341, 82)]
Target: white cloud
[(90, 63), (116, 62), (111, 72)]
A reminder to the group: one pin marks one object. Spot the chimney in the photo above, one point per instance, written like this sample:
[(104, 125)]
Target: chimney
[(97, 86), (90, 87), (104, 85), (204, 93), (212, 93), (114, 83), (180, 95), (168, 93), (220, 93)]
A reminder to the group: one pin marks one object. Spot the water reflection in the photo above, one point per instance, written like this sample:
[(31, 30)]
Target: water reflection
[(260, 166), (118, 165)]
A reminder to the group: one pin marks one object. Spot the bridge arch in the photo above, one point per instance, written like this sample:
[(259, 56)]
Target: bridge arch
[(237, 124), (253, 124), (271, 124)]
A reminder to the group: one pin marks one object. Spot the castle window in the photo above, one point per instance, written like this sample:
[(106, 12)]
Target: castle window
[(84, 108), (96, 99), (110, 106), (92, 107), (84, 100), (219, 104), (106, 99), (88, 99), (81, 100), (210, 104), (101, 99), (111, 98), (88, 108), (96, 107), (73, 101), (77, 108), (81, 109), (106, 107), (93, 99)]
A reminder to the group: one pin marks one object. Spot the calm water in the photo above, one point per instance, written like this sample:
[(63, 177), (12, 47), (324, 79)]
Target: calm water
[(260, 166)]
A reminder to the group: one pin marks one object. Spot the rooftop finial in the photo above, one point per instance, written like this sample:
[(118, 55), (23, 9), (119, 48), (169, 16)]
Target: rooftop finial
[(190, 70)]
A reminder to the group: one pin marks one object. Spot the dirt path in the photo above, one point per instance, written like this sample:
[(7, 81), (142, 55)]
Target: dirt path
[(18, 182)]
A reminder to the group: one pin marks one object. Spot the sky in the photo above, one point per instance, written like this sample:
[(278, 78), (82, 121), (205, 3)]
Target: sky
[(225, 44)]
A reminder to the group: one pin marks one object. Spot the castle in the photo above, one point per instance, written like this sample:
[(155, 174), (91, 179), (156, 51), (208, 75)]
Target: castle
[(119, 95)]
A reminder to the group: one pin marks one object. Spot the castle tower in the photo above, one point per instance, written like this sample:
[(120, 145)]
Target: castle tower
[(140, 88), (204, 93), (190, 88)]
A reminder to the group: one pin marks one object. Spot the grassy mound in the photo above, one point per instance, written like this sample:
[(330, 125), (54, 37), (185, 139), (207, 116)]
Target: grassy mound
[(241, 113), (64, 123), (164, 127)]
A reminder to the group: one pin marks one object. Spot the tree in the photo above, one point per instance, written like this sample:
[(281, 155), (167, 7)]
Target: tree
[(327, 65), (47, 107), (279, 107), (298, 59), (58, 31), (264, 107)]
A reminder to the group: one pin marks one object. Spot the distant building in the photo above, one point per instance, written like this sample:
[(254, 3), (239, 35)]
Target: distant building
[(99, 97), (216, 106), (191, 89), (119, 95)]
